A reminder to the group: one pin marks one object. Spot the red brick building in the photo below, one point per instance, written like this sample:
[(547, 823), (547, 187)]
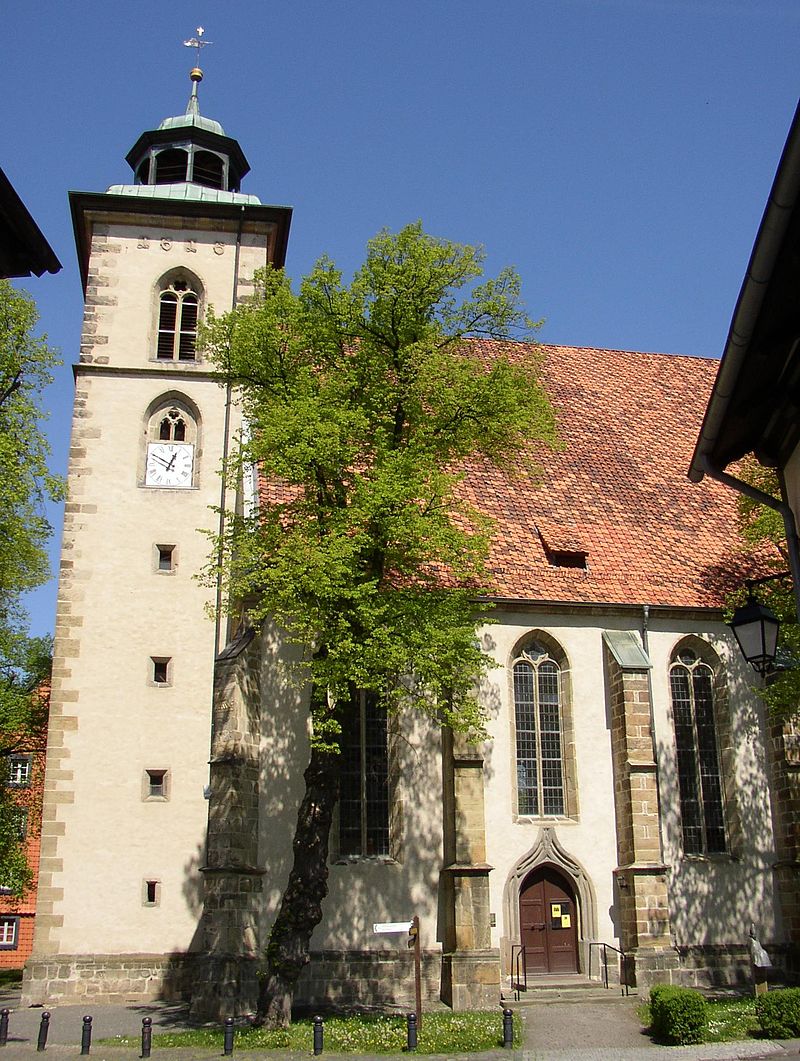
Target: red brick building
[(26, 777)]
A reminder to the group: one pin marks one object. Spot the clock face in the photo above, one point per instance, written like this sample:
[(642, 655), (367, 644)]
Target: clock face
[(169, 464)]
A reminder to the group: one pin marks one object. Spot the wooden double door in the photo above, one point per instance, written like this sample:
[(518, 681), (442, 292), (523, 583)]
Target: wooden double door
[(548, 922)]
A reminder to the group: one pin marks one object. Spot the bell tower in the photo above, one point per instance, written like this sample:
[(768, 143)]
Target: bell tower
[(123, 836)]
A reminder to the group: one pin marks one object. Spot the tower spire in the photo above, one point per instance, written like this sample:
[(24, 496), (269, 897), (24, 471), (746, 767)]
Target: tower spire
[(196, 74)]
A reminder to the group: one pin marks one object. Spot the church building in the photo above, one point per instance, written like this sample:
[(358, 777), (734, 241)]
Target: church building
[(631, 792)]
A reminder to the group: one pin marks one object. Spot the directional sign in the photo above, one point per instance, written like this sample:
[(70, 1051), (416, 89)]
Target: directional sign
[(387, 927)]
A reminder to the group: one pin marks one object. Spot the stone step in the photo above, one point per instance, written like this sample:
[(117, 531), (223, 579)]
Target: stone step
[(548, 990)]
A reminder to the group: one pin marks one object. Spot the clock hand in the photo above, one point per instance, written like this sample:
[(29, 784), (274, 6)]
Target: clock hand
[(171, 461), (167, 464)]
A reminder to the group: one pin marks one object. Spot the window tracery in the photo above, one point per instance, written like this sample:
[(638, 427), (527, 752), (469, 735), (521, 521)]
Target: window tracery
[(700, 781), (178, 317), (539, 733)]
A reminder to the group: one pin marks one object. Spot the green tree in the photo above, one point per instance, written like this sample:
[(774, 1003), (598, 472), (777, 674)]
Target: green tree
[(762, 528), (364, 402), (26, 362)]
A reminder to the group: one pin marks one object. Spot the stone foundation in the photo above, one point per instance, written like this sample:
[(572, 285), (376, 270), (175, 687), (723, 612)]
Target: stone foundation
[(706, 967), (223, 986), (367, 980), (471, 979), (363, 980), (107, 977)]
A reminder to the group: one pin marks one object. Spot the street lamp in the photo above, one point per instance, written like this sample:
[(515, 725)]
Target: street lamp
[(756, 629)]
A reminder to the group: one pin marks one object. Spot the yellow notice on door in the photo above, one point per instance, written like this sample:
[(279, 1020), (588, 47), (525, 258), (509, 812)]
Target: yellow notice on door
[(555, 910), (566, 921)]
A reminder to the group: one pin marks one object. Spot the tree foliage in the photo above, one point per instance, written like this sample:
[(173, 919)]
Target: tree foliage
[(762, 528), (26, 484), (364, 401)]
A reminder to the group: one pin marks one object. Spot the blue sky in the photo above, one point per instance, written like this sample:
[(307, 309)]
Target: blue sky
[(619, 153)]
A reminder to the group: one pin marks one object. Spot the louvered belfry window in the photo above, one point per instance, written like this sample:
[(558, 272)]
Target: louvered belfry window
[(699, 777), (539, 742), (178, 314)]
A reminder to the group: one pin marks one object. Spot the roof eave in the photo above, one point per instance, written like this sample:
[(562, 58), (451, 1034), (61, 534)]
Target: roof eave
[(30, 253), (83, 203)]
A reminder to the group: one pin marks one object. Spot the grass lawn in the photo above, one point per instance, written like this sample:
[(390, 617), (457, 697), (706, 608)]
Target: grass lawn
[(732, 1018), (442, 1033)]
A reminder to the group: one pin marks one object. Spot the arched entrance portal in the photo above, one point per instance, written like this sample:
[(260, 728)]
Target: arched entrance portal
[(548, 921)]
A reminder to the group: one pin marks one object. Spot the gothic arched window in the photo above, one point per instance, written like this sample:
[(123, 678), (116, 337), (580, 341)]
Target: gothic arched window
[(172, 426), (699, 777), (178, 313), (539, 732), (171, 448)]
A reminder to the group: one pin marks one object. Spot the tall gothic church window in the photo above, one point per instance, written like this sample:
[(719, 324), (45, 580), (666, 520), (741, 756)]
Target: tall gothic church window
[(699, 776), (364, 780), (539, 742)]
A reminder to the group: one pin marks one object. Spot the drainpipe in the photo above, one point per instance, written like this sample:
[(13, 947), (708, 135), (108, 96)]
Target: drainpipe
[(781, 506), (221, 526), (223, 492)]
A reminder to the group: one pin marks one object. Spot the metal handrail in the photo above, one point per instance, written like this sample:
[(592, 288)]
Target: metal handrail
[(518, 982), (623, 962)]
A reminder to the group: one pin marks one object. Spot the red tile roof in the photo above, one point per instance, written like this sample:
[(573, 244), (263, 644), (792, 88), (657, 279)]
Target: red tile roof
[(617, 491), (616, 496)]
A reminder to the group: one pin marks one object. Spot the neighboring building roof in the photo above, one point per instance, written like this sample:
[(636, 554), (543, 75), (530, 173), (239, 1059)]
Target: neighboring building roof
[(617, 492), (23, 249), (612, 520), (753, 406)]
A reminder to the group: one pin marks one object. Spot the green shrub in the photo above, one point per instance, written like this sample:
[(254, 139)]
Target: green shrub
[(678, 1014), (778, 1013)]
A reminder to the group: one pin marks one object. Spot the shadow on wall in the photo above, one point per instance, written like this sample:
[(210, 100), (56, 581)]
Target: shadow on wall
[(362, 891), (714, 898)]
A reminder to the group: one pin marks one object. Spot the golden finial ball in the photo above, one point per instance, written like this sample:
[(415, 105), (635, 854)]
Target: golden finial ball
[(196, 74)]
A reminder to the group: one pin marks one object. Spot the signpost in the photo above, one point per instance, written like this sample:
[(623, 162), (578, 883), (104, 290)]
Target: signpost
[(412, 928)]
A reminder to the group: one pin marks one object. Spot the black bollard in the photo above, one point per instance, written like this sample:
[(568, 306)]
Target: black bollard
[(411, 1031), (508, 1029), (86, 1036), (4, 1026), (319, 1035), (227, 1049), (44, 1027), (147, 1036)]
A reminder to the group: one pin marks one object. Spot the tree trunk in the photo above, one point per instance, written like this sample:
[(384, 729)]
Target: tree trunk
[(301, 906)]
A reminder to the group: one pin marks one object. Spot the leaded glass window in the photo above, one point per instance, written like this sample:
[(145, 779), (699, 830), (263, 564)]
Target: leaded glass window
[(364, 780), (539, 736), (699, 777)]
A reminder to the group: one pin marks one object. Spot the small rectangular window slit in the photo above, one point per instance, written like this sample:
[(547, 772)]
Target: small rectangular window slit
[(152, 890), (165, 557), (161, 667), (156, 782)]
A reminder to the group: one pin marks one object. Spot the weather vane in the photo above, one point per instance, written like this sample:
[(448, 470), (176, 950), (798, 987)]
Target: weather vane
[(198, 43)]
